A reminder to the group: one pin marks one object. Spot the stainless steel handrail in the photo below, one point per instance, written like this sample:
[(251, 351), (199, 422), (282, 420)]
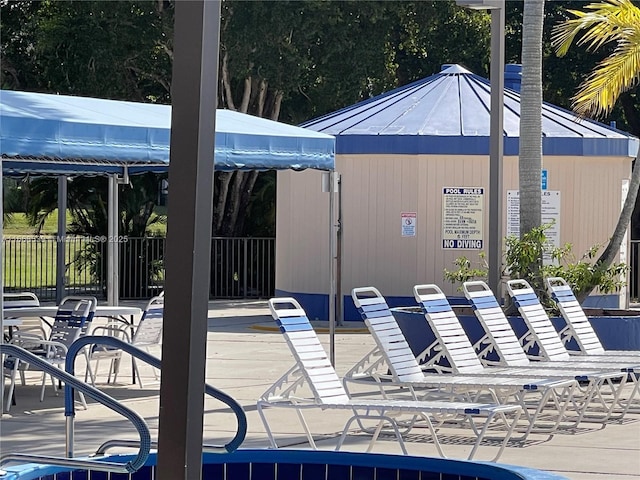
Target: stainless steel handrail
[(70, 383), (79, 344), (116, 443)]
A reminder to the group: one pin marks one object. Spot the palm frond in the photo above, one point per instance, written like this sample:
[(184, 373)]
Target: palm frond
[(614, 75), (610, 21), (606, 22)]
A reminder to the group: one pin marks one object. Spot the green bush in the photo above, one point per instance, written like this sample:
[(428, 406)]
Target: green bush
[(523, 260)]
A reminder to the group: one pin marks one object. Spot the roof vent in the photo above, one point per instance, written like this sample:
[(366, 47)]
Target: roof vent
[(453, 68), (513, 76)]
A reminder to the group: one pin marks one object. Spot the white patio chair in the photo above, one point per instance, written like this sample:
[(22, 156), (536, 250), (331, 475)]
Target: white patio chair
[(27, 325), (74, 315), (146, 334), (392, 364), (314, 372), (24, 300), (578, 327)]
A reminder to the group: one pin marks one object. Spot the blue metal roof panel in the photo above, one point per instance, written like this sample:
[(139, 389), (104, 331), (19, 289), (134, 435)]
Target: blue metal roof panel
[(449, 114)]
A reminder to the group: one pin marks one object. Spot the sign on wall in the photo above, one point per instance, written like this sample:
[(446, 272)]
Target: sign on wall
[(550, 210), (462, 214), (409, 220)]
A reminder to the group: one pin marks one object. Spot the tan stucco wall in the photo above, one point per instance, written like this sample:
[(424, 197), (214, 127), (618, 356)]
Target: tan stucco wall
[(377, 188)]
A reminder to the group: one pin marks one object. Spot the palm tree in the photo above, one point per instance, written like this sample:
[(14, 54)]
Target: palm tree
[(530, 151), (609, 22)]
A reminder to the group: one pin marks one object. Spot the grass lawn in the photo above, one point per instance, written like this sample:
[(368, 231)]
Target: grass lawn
[(30, 263), (17, 225)]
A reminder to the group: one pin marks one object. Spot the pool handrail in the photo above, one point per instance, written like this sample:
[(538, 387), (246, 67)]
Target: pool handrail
[(92, 392), (79, 344), (121, 443)]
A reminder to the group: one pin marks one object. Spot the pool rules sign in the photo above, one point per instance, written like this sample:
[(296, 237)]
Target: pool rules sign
[(462, 214)]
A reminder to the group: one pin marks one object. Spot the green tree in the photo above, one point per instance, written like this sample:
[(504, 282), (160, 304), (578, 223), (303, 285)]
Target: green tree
[(117, 50), (293, 60), (614, 22), (286, 60)]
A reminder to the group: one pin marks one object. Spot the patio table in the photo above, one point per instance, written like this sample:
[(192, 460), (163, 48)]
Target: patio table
[(119, 312)]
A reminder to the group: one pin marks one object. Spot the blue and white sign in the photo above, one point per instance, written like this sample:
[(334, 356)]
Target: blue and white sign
[(544, 180), (409, 223), (462, 215)]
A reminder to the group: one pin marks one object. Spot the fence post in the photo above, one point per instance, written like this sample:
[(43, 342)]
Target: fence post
[(245, 269)]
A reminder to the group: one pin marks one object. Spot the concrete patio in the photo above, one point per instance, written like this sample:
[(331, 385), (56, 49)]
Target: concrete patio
[(245, 355)]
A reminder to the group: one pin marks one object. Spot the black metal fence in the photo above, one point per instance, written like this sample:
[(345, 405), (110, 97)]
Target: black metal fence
[(634, 272), (240, 267)]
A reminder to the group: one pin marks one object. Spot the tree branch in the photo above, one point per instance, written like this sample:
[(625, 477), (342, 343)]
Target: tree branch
[(226, 82), (246, 95)]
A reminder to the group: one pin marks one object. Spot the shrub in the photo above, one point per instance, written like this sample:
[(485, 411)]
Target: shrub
[(532, 258)]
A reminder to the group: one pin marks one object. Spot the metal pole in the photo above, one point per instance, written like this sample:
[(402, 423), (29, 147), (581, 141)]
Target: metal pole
[(61, 240), (339, 300), (332, 272), (496, 148), (188, 255), (113, 260), (1, 282)]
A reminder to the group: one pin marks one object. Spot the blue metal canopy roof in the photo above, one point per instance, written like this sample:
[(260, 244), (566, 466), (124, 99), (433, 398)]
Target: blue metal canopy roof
[(449, 113), (42, 133)]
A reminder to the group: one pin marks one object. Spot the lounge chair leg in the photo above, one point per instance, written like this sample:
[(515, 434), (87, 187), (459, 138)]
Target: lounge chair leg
[(306, 429), (267, 429)]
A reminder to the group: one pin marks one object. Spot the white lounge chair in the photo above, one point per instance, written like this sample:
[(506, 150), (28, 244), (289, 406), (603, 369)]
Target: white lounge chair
[(454, 345), (392, 364), (542, 335), (502, 340), (542, 341), (578, 327), (313, 372)]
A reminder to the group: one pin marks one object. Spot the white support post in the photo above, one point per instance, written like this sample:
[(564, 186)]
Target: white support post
[(61, 239), (113, 260)]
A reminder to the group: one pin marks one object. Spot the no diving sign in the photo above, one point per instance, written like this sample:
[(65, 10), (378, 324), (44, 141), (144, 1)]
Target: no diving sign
[(409, 220), (462, 215)]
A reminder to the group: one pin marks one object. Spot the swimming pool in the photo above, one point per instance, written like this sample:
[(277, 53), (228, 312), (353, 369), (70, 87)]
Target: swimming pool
[(301, 465)]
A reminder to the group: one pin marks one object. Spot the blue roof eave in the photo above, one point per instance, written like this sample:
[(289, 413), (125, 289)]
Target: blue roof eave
[(479, 145)]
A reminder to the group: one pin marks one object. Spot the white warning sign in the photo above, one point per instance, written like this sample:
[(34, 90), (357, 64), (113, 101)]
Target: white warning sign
[(409, 221), (550, 212), (462, 214)]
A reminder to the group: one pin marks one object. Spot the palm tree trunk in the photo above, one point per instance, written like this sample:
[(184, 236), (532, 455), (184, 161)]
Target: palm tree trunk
[(530, 164), (530, 156)]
